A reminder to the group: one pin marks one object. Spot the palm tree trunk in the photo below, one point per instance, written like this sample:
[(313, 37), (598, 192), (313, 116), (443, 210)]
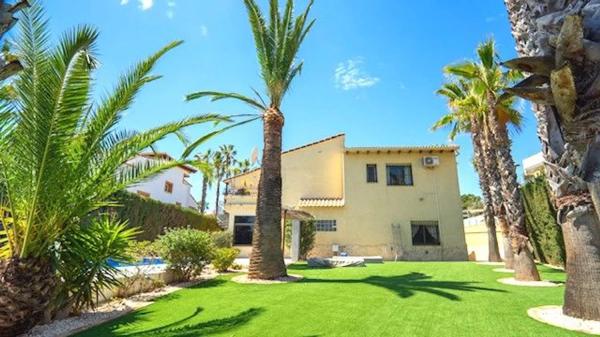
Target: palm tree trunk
[(266, 260), (524, 265), (488, 211), (495, 183), (563, 149), (218, 195), (203, 197), (26, 287)]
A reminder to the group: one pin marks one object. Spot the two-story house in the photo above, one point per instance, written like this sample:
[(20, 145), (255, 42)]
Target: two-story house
[(171, 186), (396, 202)]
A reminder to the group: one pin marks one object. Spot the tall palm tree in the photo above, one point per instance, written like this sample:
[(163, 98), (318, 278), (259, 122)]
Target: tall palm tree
[(224, 160), (244, 165), (562, 57), (277, 44), (61, 157), (9, 67), (208, 175), (466, 117), (487, 76)]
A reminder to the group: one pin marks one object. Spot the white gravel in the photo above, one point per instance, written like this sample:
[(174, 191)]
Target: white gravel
[(553, 315), (504, 270), (485, 263), (107, 312), (512, 281), (244, 279)]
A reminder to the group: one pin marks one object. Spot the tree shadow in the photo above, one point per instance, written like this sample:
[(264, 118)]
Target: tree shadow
[(176, 329), (407, 285)]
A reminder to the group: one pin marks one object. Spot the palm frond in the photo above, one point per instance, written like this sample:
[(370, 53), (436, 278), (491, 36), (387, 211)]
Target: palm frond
[(216, 95)]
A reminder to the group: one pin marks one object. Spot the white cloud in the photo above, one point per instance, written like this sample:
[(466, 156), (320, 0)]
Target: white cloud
[(145, 4), (171, 9), (124, 2), (170, 13), (349, 75), (203, 30)]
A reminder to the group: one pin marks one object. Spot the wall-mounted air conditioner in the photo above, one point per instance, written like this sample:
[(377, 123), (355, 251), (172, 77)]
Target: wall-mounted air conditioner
[(431, 161)]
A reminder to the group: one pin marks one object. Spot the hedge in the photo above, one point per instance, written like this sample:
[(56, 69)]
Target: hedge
[(540, 218), (153, 217)]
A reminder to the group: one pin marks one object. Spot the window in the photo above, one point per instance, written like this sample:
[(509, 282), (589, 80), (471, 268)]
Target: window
[(325, 225), (242, 229), (399, 175), (168, 187), (143, 194), (425, 233), (371, 173)]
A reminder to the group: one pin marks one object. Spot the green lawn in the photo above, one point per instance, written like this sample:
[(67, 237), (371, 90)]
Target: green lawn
[(391, 299)]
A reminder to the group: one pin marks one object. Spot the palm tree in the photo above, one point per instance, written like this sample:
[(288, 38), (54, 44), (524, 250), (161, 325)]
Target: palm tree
[(224, 160), (9, 67), (208, 175), (244, 166), (466, 116), (277, 44), (561, 55), (487, 76), (61, 157)]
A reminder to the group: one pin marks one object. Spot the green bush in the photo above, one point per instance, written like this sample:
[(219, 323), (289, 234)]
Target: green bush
[(540, 219), (82, 264), (222, 239), (187, 251), (141, 249), (154, 217), (307, 237), (223, 258)]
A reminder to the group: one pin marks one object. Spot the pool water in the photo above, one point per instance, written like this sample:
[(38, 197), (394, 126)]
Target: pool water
[(147, 261)]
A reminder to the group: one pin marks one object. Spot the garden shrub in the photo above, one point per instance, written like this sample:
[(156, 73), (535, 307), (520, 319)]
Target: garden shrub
[(141, 249), (540, 218), (307, 236), (154, 217), (187, 251), (223, 258), (223, 239)]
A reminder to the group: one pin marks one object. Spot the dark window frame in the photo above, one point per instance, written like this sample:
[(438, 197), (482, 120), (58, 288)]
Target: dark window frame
[(330, 226), (372, 179), (168, 187), (425, 238), (243, 225), (402, 182)]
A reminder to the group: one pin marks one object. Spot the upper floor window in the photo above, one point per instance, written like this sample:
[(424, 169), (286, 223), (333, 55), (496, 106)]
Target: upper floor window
[(168, 187), (325, 225), (371, 173), (399, 175), (425, 233)]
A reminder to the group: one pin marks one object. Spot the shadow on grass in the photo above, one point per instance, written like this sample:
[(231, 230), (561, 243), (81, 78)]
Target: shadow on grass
[(180, 329), (407, 285)]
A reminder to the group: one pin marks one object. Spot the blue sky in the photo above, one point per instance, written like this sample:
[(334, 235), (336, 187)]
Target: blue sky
[(371, 67)]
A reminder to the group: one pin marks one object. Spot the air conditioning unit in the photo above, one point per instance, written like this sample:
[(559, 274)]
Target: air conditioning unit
[(431, 161)]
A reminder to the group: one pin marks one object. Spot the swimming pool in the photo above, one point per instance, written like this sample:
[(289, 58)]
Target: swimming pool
[(147, 261)]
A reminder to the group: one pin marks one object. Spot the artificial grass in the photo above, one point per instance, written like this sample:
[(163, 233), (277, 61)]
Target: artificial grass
[(390, 299)]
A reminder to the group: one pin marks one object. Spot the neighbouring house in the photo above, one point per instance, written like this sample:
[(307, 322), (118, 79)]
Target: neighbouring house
[(171, 186), (396, 202), (533, 166)]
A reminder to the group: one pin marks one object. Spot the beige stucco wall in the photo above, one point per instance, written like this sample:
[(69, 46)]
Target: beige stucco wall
[(476, 237), (364, 223)]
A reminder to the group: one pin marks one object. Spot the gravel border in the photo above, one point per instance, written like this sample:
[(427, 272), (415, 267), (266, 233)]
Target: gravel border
[(553, 315), (485, 263), (107, 312), (287, 279), (513, 282), (503, 270)]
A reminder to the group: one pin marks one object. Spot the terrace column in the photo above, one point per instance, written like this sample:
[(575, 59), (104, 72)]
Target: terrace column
[(295, 240)]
